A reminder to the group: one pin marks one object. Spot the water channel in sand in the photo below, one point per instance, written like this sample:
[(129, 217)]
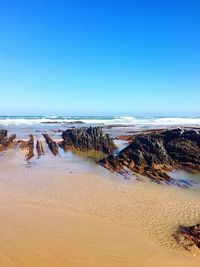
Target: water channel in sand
[(68, 211)]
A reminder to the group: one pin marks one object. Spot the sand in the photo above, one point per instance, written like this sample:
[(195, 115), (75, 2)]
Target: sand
[(66, 211)]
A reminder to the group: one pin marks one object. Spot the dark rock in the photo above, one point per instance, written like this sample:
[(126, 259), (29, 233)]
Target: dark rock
[(39, 148), (188, 236), (155, 153), (29, 147), (50, 122), (91, 138), (63, 122), (3, 134), (52, 144), (118, 126), (75, 122), (6, 141)]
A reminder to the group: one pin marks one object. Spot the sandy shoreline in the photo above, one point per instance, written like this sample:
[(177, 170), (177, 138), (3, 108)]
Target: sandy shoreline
[(68, 211), (42, 236)]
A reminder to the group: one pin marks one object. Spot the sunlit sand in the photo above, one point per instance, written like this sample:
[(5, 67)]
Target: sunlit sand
[(68, 211)]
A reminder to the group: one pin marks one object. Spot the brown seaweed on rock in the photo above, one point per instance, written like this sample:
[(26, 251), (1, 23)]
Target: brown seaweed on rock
[(154, 154), (29, 147)]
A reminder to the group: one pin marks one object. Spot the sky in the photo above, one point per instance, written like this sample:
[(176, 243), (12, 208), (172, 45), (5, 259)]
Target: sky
[(108, 57)]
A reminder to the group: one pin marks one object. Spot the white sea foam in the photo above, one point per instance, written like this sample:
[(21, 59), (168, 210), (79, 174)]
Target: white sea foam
[(125, 120)]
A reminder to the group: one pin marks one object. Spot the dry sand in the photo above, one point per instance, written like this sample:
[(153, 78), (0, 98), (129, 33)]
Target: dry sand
[(64, 212)]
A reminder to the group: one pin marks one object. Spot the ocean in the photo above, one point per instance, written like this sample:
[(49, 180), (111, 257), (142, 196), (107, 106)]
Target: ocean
[(100, 120)]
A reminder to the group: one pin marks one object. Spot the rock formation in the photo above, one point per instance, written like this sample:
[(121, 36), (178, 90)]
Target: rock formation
[(155, 153), (52, 144), (188, 236), (29, 147), (91, 138), (39, 148), (6, 141)]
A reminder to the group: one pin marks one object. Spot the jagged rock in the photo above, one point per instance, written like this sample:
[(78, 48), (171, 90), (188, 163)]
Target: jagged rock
[(39, 148), (29, 146), (188, 236), (91, 138), (52, 144), (6, 141), (156, 153)]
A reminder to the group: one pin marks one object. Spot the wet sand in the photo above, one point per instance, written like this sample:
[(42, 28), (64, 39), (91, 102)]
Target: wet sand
[(34, 235), (68, 211)]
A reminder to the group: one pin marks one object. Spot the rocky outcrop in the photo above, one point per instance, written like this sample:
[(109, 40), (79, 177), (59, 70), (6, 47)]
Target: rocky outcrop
[(39, 148), (156, 153), (6, 141), (188, 236), (91, 138), (52, 144), (29, 147)]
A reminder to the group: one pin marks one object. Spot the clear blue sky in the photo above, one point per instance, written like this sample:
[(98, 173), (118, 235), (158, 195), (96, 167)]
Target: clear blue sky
[(106, 57)]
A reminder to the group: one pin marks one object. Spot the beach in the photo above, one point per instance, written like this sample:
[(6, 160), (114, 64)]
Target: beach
[(99, 133), (67, 210)]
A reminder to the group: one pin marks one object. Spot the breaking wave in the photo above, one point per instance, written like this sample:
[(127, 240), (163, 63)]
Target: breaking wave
[(121, 120)]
